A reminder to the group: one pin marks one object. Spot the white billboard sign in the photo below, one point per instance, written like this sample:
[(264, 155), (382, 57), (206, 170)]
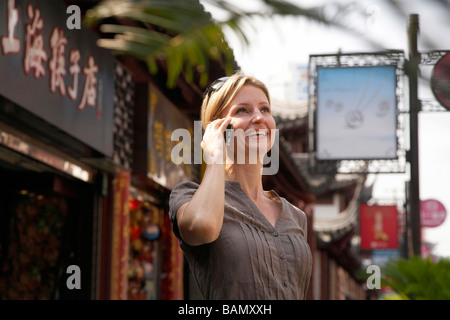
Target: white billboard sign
[(356, 116)]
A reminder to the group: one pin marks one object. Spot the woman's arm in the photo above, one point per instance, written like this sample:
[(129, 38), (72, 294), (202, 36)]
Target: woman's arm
[(200, 220)]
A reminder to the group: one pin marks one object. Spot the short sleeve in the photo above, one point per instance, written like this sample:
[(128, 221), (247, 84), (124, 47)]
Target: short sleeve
[(180, 194)]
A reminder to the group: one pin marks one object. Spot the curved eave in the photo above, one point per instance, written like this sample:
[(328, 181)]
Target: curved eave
[(331, 229)]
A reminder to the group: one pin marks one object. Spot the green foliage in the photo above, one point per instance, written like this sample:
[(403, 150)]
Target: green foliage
[(418, 279), (181, 33), (178, 32)]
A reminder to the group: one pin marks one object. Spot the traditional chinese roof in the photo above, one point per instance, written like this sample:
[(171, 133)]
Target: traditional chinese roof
[(337, 235), (342, 222), (289, 110), (332, 228), (320, 183)]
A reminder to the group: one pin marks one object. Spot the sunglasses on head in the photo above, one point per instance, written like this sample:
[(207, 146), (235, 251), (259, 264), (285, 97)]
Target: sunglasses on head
[(216, 85)]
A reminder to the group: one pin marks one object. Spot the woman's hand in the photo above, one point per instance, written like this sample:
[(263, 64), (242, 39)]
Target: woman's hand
[(200, 220), (213, 144)]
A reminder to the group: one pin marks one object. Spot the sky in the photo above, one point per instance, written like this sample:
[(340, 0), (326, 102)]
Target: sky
[(277, 45)]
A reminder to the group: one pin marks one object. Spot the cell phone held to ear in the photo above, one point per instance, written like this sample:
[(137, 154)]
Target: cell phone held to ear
[(228, 134)]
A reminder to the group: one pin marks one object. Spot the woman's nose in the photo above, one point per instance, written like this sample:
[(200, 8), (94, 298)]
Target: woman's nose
[(257, 116)]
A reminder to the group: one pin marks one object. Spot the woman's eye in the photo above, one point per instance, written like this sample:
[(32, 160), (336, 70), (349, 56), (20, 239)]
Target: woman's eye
[(240, 110), (265, 109)]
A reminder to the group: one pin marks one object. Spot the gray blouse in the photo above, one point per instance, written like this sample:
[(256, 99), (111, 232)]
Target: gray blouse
[(250, 259)]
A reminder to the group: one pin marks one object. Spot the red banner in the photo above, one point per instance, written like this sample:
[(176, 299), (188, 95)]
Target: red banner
[(120, 237), (172, 284), (378, 227)]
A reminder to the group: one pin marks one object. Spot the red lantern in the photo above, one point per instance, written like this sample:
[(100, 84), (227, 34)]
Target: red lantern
[(134, 203)]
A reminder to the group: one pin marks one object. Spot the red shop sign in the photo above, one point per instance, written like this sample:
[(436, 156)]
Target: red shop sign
[(440, 81), (378, 227)]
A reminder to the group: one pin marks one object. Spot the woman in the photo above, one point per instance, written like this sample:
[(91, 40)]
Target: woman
[(241, 242)]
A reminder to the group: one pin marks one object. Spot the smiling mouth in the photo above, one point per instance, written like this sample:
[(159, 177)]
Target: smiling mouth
[(257, 134)]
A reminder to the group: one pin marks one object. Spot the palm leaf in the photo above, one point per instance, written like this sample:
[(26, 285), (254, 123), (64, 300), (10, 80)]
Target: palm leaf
[(418, 279), (181, 32)]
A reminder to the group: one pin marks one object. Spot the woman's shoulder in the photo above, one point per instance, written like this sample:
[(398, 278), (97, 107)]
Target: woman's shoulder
[(292, 207), (185, 185), (287, 205), (182, 193), (294, 211)]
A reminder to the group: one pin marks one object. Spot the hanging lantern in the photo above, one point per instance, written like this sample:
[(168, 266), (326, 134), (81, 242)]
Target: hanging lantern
[(133, 203)]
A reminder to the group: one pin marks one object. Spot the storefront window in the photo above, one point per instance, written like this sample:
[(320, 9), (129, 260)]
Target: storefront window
[(32, 253), (144, 267)]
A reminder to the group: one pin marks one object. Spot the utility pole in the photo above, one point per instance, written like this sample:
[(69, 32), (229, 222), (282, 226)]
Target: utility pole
[(414, 108)]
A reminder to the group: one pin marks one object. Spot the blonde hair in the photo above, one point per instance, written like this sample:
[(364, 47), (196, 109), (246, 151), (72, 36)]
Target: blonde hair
[(215, 102)]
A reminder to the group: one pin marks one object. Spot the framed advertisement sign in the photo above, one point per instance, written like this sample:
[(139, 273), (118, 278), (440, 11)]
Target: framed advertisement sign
[(356, 113)]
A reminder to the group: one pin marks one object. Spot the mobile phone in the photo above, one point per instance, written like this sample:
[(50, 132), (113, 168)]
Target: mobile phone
[(228, 134)]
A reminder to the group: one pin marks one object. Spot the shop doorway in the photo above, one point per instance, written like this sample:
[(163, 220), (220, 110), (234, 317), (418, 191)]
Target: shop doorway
[(45, 226)]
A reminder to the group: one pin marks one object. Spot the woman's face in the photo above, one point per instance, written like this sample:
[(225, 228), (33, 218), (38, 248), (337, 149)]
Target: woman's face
[(252, 119)]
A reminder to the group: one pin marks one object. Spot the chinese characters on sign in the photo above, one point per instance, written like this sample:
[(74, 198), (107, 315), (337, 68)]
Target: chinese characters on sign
[(54, 69), (162, 124), (11, 44), (38, 61), (378, 227)]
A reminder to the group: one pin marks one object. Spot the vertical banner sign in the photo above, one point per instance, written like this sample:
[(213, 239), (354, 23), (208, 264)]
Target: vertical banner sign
[(164, 119), (172, 284), (378, 227), (120, 236)]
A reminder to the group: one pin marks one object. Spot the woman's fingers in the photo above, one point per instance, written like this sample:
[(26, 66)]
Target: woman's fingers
[(224, 124), (213, 142), (217, 126)]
